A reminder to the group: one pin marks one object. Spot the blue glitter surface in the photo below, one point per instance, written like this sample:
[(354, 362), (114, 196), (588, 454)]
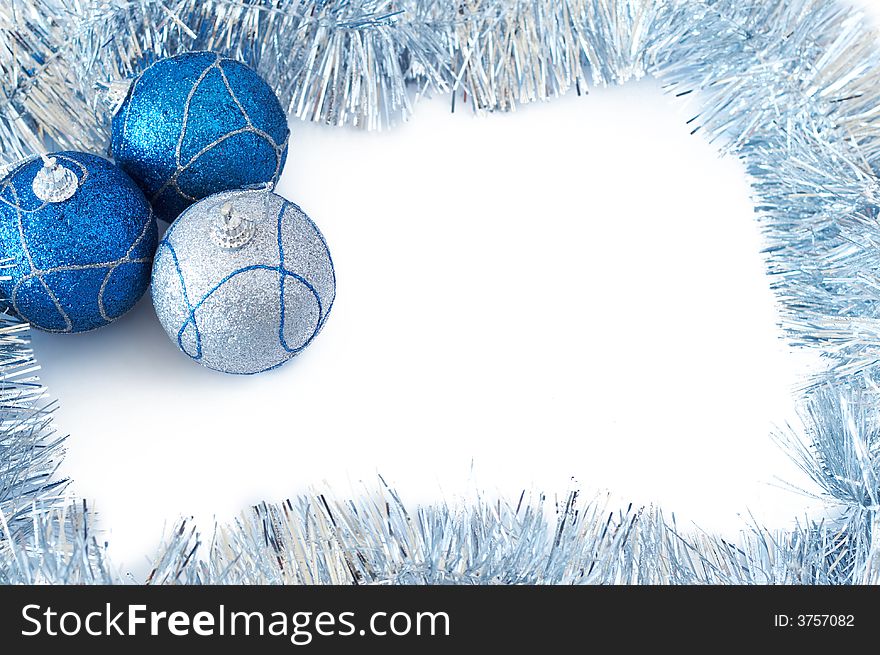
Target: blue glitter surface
[(80, 263), (195, 125)]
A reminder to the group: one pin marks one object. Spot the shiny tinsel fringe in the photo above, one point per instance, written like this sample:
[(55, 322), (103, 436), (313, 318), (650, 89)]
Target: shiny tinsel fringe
[(59, 548), (29, 449), (375, 540), (788, 86)]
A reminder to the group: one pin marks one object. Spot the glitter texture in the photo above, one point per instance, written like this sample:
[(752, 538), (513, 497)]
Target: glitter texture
[(195, 125), (249, 309), (80, 263)]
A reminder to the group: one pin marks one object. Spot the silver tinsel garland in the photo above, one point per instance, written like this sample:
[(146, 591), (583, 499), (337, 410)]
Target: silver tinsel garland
[(792, 87)]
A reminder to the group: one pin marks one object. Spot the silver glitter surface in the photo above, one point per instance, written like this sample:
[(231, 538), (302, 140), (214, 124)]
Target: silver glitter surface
[(248, 309)]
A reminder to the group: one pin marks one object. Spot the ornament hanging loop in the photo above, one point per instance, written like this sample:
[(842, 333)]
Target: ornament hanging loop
[(54, 182), (231, 230)]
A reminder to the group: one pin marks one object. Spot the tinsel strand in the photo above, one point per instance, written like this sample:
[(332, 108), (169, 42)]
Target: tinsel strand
[(30, 451)]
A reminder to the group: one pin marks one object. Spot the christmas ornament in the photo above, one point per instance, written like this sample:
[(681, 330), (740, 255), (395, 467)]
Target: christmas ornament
[(81, 238), (243, 281), (197, 124)]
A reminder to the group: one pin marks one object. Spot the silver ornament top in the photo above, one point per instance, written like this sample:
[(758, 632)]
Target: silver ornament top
[(54, 182), (248, 309), (232, 230)]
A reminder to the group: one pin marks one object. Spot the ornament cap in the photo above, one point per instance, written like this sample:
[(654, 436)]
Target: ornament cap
[(231, 230), (54, 182)]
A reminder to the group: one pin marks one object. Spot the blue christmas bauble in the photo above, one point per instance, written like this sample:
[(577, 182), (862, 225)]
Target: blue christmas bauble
[(243, 281), (81, 238), (197, 124)]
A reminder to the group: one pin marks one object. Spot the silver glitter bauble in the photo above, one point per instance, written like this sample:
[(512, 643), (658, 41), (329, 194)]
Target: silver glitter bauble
[(243, 281)]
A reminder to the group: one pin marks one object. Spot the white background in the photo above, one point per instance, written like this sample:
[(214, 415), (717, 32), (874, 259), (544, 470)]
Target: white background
[(571, 294)]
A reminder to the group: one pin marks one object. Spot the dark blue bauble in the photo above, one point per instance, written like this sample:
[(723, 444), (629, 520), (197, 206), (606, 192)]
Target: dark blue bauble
[(79, 263), (197, 124)]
